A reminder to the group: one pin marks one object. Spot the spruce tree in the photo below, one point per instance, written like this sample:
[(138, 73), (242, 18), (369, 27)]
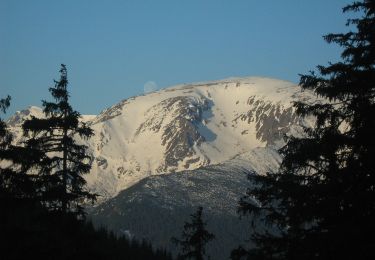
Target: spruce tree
[(55, 155), (15, 184), (194, 237), (5, 142), (5, 136), (321, 203)]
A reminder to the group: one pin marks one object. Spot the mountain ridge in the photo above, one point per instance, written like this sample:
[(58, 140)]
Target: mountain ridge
[(185, 127)]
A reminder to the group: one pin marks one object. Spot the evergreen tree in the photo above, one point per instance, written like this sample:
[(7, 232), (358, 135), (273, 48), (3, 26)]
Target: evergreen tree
[(14, 182), (321, 203), (54, 153), (29, 229), (194, 237), (5, 142), (5, 136), (16, 187)]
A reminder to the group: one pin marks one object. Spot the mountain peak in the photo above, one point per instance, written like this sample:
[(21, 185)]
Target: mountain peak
[(185, 127), (188, 126), (20, 116)]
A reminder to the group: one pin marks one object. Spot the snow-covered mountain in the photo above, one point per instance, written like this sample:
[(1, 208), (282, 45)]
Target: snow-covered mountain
[(156, 157), (185, 127)]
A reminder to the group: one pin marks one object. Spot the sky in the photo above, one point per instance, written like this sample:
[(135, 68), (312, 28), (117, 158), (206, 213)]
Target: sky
[(117, 49)]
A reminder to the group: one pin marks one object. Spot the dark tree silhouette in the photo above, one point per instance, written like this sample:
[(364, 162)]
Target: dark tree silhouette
[(27, 228), (14, 182), (194, 238), (54, 153), (6, 173), (320, 205), (5, 136)]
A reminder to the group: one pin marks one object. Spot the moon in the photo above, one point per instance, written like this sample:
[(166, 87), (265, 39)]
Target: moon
[(150, 86)]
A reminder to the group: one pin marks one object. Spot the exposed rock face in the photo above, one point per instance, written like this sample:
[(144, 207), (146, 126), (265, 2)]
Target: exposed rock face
[(272, 121), (181, 133), (185, 127)]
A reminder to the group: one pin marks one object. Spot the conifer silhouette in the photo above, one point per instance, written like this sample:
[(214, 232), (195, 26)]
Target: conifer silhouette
[(320, 205), (194, 237), (15, 184), (55, 154)]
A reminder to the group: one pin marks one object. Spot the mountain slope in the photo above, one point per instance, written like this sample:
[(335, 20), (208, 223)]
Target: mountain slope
[(156, 157), (189, 126), (183, 128), (156, 207)]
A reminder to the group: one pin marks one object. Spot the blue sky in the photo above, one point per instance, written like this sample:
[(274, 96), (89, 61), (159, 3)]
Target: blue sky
[(113, 48)]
